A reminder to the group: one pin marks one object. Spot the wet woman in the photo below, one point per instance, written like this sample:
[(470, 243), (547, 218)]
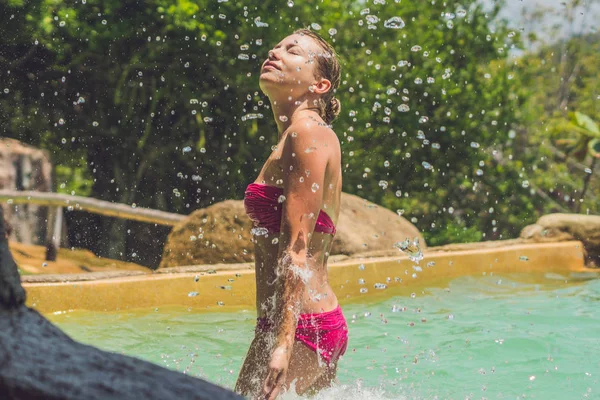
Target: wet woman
[(295, 203)]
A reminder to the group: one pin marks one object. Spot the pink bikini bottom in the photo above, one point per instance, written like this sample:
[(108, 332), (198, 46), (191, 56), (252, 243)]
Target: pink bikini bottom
[(325, 333)]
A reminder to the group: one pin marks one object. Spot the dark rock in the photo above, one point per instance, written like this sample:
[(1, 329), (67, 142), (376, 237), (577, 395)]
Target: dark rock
[(39, 361)]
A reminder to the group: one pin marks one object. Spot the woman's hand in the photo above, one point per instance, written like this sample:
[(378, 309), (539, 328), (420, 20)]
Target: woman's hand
[(277, 372)]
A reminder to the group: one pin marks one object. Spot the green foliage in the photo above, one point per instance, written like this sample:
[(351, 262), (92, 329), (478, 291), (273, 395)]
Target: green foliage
[(73, 180), (558, 146), (149, 97), (585, 132)]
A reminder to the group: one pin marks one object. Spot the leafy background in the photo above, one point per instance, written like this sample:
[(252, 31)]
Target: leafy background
[(457, 121)]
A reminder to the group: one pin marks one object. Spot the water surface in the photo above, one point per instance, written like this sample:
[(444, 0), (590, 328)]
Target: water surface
[(494, 337)]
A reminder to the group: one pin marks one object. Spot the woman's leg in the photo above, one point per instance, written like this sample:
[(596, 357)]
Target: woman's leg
[(305, 367), (254, 369)]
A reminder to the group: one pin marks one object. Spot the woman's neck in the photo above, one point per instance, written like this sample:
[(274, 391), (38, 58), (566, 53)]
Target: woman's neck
[(286, 113)]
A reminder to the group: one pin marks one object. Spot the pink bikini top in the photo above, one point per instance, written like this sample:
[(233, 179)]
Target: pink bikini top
[(262, 206)]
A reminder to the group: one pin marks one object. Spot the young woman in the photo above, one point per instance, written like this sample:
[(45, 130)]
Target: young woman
[(295, 203)]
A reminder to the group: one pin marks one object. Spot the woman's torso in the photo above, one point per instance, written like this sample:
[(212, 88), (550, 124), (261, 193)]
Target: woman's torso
[(318, 296)]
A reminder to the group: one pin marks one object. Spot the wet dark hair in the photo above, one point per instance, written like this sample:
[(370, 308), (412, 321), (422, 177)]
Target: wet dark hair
[(328, 67)]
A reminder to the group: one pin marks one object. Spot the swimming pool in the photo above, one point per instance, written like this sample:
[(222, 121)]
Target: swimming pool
[(500, 336)]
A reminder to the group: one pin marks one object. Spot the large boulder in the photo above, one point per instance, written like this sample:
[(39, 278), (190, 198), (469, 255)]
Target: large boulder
[(221, 233), (560, 227), (366, 227)]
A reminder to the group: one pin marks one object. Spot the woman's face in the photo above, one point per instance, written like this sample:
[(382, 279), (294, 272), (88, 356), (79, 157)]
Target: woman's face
[(290, 67)]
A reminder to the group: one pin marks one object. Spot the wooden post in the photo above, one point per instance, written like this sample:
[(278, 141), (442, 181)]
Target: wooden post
[(53, 232)]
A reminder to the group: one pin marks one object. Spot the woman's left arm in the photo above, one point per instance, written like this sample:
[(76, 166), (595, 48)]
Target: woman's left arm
[(304, 159)]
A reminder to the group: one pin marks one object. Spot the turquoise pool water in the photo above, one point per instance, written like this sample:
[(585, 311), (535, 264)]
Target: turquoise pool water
[(500, 337)]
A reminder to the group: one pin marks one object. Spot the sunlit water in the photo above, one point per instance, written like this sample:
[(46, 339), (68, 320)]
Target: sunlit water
[(500, 337)]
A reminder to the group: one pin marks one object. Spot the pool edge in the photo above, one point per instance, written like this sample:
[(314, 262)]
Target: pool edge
[(231, 289)]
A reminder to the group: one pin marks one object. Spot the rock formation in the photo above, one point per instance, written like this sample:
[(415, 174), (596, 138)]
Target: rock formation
[(39, 361), (221, 233), (560, 227), (23, 167)]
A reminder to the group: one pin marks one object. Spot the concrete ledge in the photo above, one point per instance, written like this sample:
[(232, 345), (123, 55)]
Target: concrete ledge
[(234, 288)]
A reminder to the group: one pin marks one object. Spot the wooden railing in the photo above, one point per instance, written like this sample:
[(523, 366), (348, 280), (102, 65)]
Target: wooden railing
[(88, 204), (56, 202)]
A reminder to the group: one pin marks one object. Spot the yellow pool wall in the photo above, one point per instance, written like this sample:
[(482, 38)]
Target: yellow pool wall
[(235, 289)]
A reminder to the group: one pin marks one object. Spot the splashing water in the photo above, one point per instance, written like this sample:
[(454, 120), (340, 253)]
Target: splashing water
[(259, 231), (346, 392), (413, 250)]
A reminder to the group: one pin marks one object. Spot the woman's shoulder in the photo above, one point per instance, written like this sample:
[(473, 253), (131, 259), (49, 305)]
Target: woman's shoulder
[(310, 133)]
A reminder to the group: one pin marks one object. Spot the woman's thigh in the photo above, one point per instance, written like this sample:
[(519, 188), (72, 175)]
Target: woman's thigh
[(305, 368)]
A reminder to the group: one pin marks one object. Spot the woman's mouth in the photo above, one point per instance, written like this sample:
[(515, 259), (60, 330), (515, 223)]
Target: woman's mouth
[(270, 66)]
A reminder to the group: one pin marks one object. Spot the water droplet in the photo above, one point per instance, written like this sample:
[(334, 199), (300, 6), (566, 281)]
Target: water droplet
[(193, 294), (259, 231), (260, 24), (364, 290), (243, 56), (314, 187), (187, 149), (290, 3), (416, 48), (361, 281), (275, 241), (310, 149), (283, 118), (450, 24), (361, 267), (315, 26), (380, 286), (372, 19), (524, 258), (403, 108), (411, 249), (426, 165), (394, 23), (251, 116)]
